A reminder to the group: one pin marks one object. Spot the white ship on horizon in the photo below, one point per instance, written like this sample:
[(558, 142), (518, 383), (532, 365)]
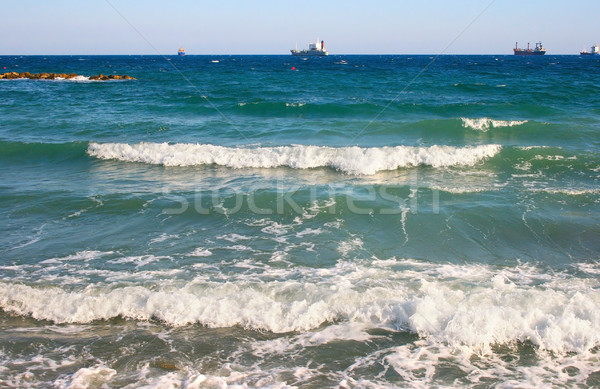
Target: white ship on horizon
[(316, 49)]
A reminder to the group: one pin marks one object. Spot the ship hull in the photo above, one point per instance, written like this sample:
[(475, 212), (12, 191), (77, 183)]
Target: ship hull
[(529, 53), (309, 53)]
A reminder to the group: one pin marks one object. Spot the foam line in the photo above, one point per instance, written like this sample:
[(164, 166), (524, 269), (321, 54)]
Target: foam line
[(350, 160), (484, 124), (470, 307)]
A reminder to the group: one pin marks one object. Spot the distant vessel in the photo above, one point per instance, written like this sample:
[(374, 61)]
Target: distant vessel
[(316, 49), (181, 51), (595, 50), (539, 50)]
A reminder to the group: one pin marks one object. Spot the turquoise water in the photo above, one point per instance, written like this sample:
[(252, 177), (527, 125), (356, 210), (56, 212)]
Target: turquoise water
[(272, 221)]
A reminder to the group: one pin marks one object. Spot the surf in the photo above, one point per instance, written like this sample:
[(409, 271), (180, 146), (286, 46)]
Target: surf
[(350, 160)]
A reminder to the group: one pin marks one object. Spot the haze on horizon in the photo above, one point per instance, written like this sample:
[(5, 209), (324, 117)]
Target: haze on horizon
[(32, 27)]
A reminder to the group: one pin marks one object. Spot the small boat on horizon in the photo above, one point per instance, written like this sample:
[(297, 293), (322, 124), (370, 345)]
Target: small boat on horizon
[(595, 50), (539, 49), (181, 51), (316, 49)]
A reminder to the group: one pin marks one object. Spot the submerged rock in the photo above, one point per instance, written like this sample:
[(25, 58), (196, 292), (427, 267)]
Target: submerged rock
[(166, 365)]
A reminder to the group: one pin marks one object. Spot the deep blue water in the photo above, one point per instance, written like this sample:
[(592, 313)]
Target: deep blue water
[(273, 221)]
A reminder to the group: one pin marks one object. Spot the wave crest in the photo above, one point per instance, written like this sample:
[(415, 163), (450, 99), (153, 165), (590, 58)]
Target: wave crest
[(484, 124), (351, 160), (402, 295)]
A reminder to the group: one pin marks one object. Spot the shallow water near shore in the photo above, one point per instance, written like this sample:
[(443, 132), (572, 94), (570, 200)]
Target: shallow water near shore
[(226, 221)]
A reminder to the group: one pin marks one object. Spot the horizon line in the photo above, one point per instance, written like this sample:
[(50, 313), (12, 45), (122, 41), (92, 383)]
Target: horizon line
[(270, 54)]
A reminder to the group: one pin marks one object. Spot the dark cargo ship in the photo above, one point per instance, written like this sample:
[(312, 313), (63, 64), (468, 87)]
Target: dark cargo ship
[(593, 51), (539, 50)]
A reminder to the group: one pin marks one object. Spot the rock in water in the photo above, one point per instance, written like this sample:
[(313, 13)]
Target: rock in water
[(53, 76)]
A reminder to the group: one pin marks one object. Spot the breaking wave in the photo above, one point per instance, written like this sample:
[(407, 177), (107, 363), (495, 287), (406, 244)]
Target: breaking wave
[(484, 124), (351, 160), (472, 306)]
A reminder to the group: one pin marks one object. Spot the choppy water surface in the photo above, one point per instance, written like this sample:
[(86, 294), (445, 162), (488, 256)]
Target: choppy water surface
[(272, 221)]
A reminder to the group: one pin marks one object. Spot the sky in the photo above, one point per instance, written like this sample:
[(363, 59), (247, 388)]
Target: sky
[(44, 27)]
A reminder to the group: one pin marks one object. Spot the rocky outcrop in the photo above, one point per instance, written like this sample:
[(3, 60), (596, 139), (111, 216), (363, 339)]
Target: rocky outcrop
[(54, 76), (10, 76), (102, 77)]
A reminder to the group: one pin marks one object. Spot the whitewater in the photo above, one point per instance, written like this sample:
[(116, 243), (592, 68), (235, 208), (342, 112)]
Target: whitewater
[(351, 160)]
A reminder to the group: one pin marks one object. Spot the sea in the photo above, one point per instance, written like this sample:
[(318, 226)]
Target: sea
[(269, 221)]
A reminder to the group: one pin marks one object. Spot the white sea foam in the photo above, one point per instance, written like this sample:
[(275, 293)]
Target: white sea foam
[(471, 307), (429, 299), (274, 228), (80, 78), (60, 79), (76, 79), (553, 158), (590, 268), (317, 207), (28, 368), (418, 363), (525, 165), (309, 231), (90, 377), (226, 377), (233, 237), (140, 260), (351, 160), (86, 255), (163, 237), (200, 252), (568, 191), (239, 247), (484, 124), (347, 246), (464, 190), (527, 148), (39, 232)]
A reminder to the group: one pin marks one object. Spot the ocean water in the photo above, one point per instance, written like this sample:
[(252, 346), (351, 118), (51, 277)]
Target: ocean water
[(280, 222)]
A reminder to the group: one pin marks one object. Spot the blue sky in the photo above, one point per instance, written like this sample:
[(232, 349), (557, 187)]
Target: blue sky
[(274, 27)]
